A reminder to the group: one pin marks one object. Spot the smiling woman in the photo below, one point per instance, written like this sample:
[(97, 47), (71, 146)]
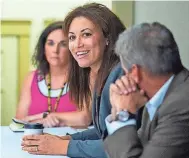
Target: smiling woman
[(87, 43), (45, 96), (92, 30)]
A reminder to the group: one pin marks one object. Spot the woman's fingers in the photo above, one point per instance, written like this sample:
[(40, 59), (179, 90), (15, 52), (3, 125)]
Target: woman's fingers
[(51, 121), (30, 142), (32, 137)]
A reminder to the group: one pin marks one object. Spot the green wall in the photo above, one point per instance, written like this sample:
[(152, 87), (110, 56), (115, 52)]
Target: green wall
[(125, 11)]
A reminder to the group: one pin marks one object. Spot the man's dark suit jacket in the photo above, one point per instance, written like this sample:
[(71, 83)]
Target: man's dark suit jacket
[(166, 136)]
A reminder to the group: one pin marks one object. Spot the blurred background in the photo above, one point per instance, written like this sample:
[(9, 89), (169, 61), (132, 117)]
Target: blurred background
[(23, 20)]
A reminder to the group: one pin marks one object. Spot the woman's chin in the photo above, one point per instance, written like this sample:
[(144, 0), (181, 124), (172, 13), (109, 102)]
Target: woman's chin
[(56, 64), (84, 65)]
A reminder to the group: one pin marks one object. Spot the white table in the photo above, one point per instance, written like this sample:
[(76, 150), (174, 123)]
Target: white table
[(11, 142)]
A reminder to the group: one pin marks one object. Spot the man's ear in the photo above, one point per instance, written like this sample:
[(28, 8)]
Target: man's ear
[(135, 73)]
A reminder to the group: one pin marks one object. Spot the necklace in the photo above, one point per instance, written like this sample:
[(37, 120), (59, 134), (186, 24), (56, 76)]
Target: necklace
[(49, 95)]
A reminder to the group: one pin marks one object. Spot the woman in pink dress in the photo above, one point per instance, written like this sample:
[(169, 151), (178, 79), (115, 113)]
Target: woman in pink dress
[(45, 94)]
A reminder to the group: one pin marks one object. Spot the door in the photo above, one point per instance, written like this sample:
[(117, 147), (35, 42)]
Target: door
[(9, 78), (15, 64)]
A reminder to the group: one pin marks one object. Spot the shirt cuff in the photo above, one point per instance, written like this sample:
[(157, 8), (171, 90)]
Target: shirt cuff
[(115, 125)]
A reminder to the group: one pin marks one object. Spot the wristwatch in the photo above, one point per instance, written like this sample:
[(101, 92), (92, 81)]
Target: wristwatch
[(124, 115), (45, 114)]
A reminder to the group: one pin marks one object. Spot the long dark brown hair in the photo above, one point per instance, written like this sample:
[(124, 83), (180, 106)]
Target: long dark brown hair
[(111, 26)]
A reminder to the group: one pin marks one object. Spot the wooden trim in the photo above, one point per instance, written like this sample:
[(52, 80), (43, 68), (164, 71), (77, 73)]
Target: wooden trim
[(16, 28)]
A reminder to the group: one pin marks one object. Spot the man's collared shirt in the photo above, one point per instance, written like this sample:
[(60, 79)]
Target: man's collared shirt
[(152, 106)]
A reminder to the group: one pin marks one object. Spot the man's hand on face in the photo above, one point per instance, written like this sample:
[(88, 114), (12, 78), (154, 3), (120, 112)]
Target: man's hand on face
[(124, 95)]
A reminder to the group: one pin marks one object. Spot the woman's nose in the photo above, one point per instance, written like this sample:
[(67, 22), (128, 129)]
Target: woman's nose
[(78, 42), (56, 48)]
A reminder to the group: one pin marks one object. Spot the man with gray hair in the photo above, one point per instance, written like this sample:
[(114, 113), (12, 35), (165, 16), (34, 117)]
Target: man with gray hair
[(154, 77)]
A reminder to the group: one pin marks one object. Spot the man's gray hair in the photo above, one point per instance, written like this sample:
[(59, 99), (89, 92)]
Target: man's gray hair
[(151, 46)]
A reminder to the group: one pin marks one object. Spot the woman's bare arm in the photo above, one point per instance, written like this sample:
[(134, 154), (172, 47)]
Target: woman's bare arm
[(74, 119), (25, 98)]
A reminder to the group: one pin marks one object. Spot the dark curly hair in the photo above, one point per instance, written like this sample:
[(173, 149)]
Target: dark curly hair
[(39, 59), (111, 27)]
